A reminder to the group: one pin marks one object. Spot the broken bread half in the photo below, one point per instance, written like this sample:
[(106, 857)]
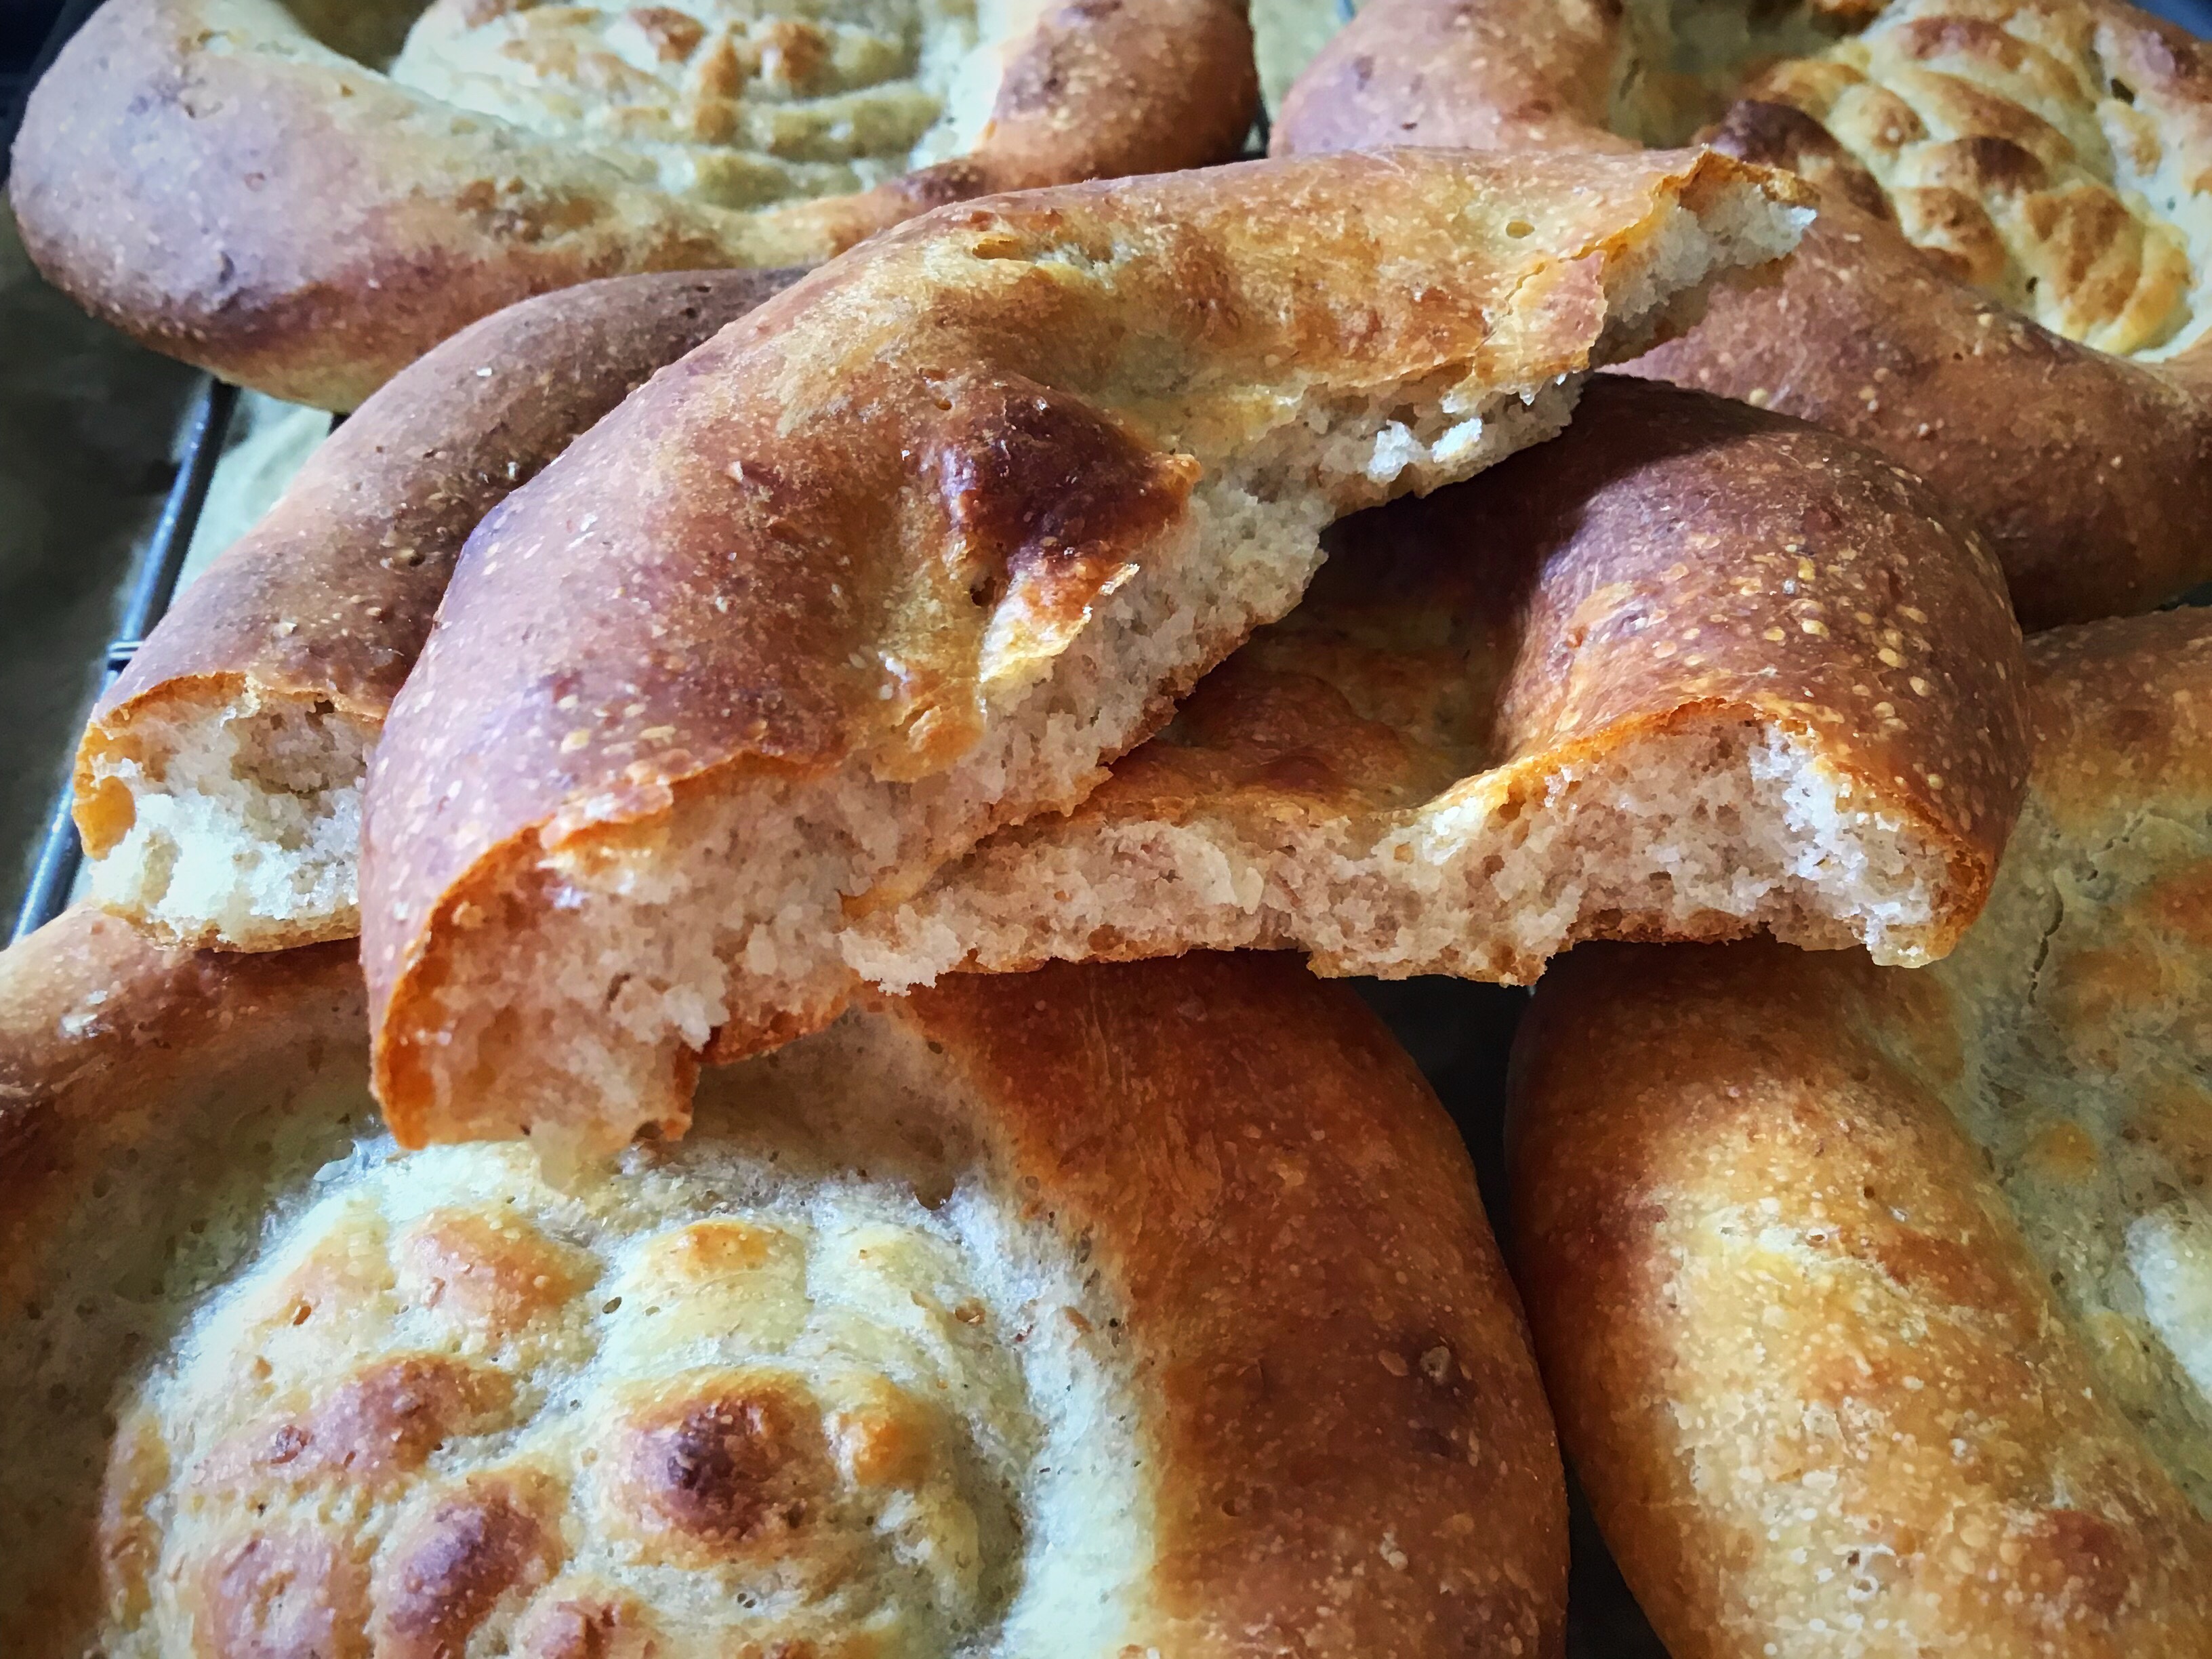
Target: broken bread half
[(1688, 671), (908, 552), (218, 784)]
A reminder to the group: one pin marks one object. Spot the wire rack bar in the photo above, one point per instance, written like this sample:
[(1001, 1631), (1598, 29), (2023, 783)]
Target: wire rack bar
[(60, 853)]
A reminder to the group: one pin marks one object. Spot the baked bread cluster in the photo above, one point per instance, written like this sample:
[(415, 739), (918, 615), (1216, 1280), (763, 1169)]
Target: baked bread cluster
[(305, 196), (702, 1027), (2009, 288)]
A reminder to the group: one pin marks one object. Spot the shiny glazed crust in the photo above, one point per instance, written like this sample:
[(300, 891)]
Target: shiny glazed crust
[(1336, 1441), (230, 182), (1872, 1303), (912, 549), (263, 688), (1865, 332), (1498, 666)]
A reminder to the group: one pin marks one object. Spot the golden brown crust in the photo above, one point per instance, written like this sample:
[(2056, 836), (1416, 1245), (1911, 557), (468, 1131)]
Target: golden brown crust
[(822, 542), (327, 600), (1340, 1444), (297, 222), (1985, 404), (1670, 557), (1902, 1235), (1861, 332)]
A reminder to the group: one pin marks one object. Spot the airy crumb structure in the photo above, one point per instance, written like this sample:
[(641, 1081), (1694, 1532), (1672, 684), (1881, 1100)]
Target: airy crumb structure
[(1711, 829), (231, 818), (573, 969)]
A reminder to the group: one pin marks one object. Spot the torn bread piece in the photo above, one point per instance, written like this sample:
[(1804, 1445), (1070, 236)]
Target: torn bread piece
[(908, 553), (1688, 671), (218, 785)]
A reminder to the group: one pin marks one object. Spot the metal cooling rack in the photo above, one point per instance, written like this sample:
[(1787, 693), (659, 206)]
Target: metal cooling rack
[(206, 426)]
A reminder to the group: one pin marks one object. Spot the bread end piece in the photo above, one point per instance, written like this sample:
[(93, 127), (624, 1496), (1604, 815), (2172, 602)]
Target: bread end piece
[(227, 815)]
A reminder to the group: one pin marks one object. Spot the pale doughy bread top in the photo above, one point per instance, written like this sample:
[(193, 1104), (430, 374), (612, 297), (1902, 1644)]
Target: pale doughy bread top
[(1143, 1307)]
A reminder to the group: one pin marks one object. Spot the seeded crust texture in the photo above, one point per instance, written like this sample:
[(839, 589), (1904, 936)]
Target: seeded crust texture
[(218, 784), (1877, 1306), (305, 196), (1687, 670), (1104, 1308), (910, 552), (2008, 289)]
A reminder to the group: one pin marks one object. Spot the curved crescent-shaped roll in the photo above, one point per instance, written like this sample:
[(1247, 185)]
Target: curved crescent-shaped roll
[(2015, 229), (1876, 1305), (1687, 670), (259, 187), (908, 552), (218, 785), (1100, 1310)]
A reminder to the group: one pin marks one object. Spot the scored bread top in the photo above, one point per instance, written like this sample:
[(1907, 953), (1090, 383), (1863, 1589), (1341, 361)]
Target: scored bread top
[(1108, 1307), (911, 549), (218, 782), (240, 182), (1939, 1242), (1592, 693), (2001, 180)]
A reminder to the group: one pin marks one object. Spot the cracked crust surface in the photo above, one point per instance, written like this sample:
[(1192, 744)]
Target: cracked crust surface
[(2016, 230), (240, 182), (1101, 1308), (1937, 1243)]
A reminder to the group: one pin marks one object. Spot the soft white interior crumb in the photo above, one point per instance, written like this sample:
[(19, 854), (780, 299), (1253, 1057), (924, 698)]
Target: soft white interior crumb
[(1721, 827), (248, 822)]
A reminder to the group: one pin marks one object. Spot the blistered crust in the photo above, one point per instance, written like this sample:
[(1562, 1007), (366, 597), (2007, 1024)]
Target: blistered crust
[(1195, 1228), (2000, 181), (230, 185), (1933, 1241)]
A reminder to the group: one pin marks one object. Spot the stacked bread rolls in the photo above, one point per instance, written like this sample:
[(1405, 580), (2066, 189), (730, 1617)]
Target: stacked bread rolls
[(684, 1039)]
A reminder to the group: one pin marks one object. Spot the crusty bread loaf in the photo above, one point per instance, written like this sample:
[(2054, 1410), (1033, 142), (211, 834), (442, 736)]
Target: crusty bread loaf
[(2001, 180), (1877, 1306), (908, 552), (218, 785), (1687, 670), (305, 196), (1096, 1311)]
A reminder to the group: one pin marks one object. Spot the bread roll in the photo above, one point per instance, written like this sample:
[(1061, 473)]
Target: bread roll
[(1100, 1310), (304, 196), (1687, 670), (908, 552), (1875, 1304), (2015, 230)]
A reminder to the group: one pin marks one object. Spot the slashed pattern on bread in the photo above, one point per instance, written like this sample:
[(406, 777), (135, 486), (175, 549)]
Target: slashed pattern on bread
[(1877, 1306), (2009, 147), (729, 103), (1687, 670), (912, 550), (305, 196)]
